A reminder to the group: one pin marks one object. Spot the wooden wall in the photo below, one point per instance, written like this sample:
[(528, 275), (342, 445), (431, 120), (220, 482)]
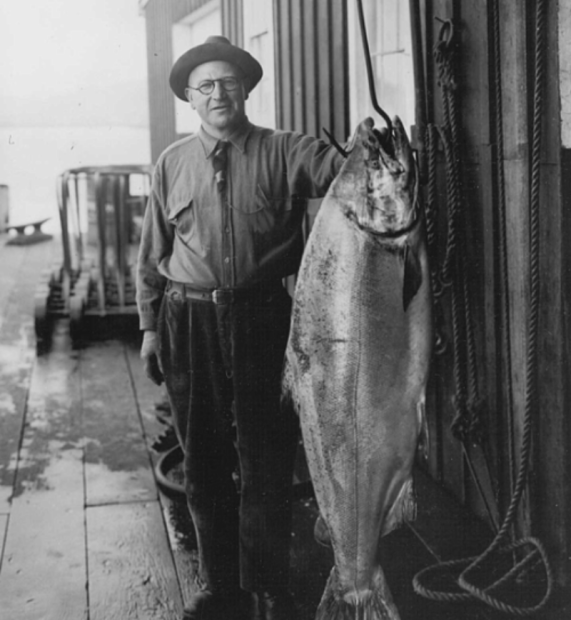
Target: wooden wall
[(233, 21), (160, 16), (311, 66), (546, 505)]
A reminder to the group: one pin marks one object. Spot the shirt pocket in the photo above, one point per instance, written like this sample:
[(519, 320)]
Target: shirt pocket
[(182, 216), (264, 203)]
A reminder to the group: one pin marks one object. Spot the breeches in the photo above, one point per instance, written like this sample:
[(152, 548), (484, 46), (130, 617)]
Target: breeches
[(222, 367)]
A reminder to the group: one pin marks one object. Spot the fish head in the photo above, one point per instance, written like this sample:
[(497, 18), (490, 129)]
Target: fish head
[(381, 167)]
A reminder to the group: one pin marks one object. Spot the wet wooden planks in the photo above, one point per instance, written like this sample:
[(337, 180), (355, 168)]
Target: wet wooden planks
[(130, 567), (117, 465), (43, 570), (86, 528), (79, 509), (180, 529), (21, 268), (131, 570)]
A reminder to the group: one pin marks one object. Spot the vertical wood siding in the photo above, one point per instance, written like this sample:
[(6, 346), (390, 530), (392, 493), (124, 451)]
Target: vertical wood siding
[(182, 8), (311, 66), (159, 21), (546, 506), (233, 21), (160, 16)]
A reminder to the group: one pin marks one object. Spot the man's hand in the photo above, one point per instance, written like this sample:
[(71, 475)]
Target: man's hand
[(149, 350)]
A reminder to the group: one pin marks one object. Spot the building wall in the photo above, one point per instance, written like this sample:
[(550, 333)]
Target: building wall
[(501, 351), (232, 21), (311, 66), (160, 16)]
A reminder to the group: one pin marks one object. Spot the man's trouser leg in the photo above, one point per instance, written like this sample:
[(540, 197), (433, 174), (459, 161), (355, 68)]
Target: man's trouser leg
[(212, 355), (267, 441), (201, 397)]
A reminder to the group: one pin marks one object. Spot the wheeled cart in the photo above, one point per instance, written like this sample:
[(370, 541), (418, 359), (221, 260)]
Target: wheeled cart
[(101, 212)]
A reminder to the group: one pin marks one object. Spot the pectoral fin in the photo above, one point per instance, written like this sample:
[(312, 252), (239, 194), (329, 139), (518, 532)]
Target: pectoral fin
[(412, 275)]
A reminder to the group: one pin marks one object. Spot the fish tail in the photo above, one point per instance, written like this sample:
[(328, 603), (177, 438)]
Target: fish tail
[(375, 603)]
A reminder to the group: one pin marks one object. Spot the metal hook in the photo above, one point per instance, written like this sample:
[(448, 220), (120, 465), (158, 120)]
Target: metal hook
[(369, 65), (446, 33), (335, 143)]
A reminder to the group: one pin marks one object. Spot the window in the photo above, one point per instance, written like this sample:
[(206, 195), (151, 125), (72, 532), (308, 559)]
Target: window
[(389, 35), (259, 41), (190, 31)]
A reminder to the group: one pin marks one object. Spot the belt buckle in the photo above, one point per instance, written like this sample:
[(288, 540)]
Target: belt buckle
[(222, 296)]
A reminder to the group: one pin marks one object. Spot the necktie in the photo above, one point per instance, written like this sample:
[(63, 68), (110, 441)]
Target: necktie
[(219, 163)]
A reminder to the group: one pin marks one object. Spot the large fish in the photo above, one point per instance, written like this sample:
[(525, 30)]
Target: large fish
[(357, 362)]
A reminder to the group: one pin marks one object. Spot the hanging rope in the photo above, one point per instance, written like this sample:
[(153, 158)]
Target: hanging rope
[(430, 204), (466, 425), (468, 567), (444, 58)]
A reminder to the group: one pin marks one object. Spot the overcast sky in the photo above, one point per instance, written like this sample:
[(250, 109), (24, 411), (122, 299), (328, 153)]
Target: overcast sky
[(72, 62)]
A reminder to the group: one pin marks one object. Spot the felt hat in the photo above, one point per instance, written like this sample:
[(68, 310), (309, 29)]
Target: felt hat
[(214, 48)]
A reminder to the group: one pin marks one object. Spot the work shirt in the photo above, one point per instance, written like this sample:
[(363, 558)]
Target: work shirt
[(250, 233)]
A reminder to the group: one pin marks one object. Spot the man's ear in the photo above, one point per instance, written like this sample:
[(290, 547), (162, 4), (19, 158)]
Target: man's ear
[(188, 94)]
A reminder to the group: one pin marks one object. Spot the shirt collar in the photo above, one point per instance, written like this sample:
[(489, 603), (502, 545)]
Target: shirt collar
[(237, 139)]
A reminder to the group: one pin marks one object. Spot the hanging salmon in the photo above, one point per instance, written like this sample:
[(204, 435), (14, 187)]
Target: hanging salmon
[(357, 362)]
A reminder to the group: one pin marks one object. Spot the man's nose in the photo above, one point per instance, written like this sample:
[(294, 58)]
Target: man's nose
[(218, 92)]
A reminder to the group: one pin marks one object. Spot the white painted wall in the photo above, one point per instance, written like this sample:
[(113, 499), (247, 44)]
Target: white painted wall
[(259, 41)]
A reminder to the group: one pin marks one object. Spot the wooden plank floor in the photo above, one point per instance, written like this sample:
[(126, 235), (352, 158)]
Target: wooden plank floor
[(84, 531)]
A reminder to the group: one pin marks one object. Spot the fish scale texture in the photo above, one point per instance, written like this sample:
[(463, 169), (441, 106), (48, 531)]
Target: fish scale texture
[(357, 365)]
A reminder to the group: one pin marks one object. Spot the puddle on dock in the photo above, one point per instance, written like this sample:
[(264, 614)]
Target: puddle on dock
[(16, 362), (103, 445)]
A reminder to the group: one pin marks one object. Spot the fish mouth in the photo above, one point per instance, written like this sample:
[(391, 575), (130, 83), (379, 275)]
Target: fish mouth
[(391, 179), (389, 149), (384, 141)]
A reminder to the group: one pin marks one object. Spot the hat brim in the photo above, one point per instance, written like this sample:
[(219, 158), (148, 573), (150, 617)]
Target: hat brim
[(208, 52)]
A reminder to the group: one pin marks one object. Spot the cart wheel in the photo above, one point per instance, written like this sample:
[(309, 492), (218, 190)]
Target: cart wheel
[(55, 276), (168, 461), (41, 322), (76, 306)]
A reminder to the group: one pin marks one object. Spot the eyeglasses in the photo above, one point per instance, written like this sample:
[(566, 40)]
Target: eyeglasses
[(227, 83)]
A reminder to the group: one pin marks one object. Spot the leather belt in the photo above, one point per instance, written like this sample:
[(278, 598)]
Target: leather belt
[(224, 296)]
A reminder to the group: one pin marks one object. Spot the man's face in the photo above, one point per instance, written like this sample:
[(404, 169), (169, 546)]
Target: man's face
[(222, 110)]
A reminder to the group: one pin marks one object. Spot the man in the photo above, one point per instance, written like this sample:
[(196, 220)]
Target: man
[(223, 227)]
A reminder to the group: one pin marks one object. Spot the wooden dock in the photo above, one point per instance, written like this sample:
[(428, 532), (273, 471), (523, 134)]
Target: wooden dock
[(85, 532)]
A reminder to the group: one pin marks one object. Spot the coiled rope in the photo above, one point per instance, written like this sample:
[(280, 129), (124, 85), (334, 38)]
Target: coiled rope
[(468, 567)]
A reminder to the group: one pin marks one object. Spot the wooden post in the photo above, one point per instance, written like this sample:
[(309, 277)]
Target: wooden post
[(552, 432)]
